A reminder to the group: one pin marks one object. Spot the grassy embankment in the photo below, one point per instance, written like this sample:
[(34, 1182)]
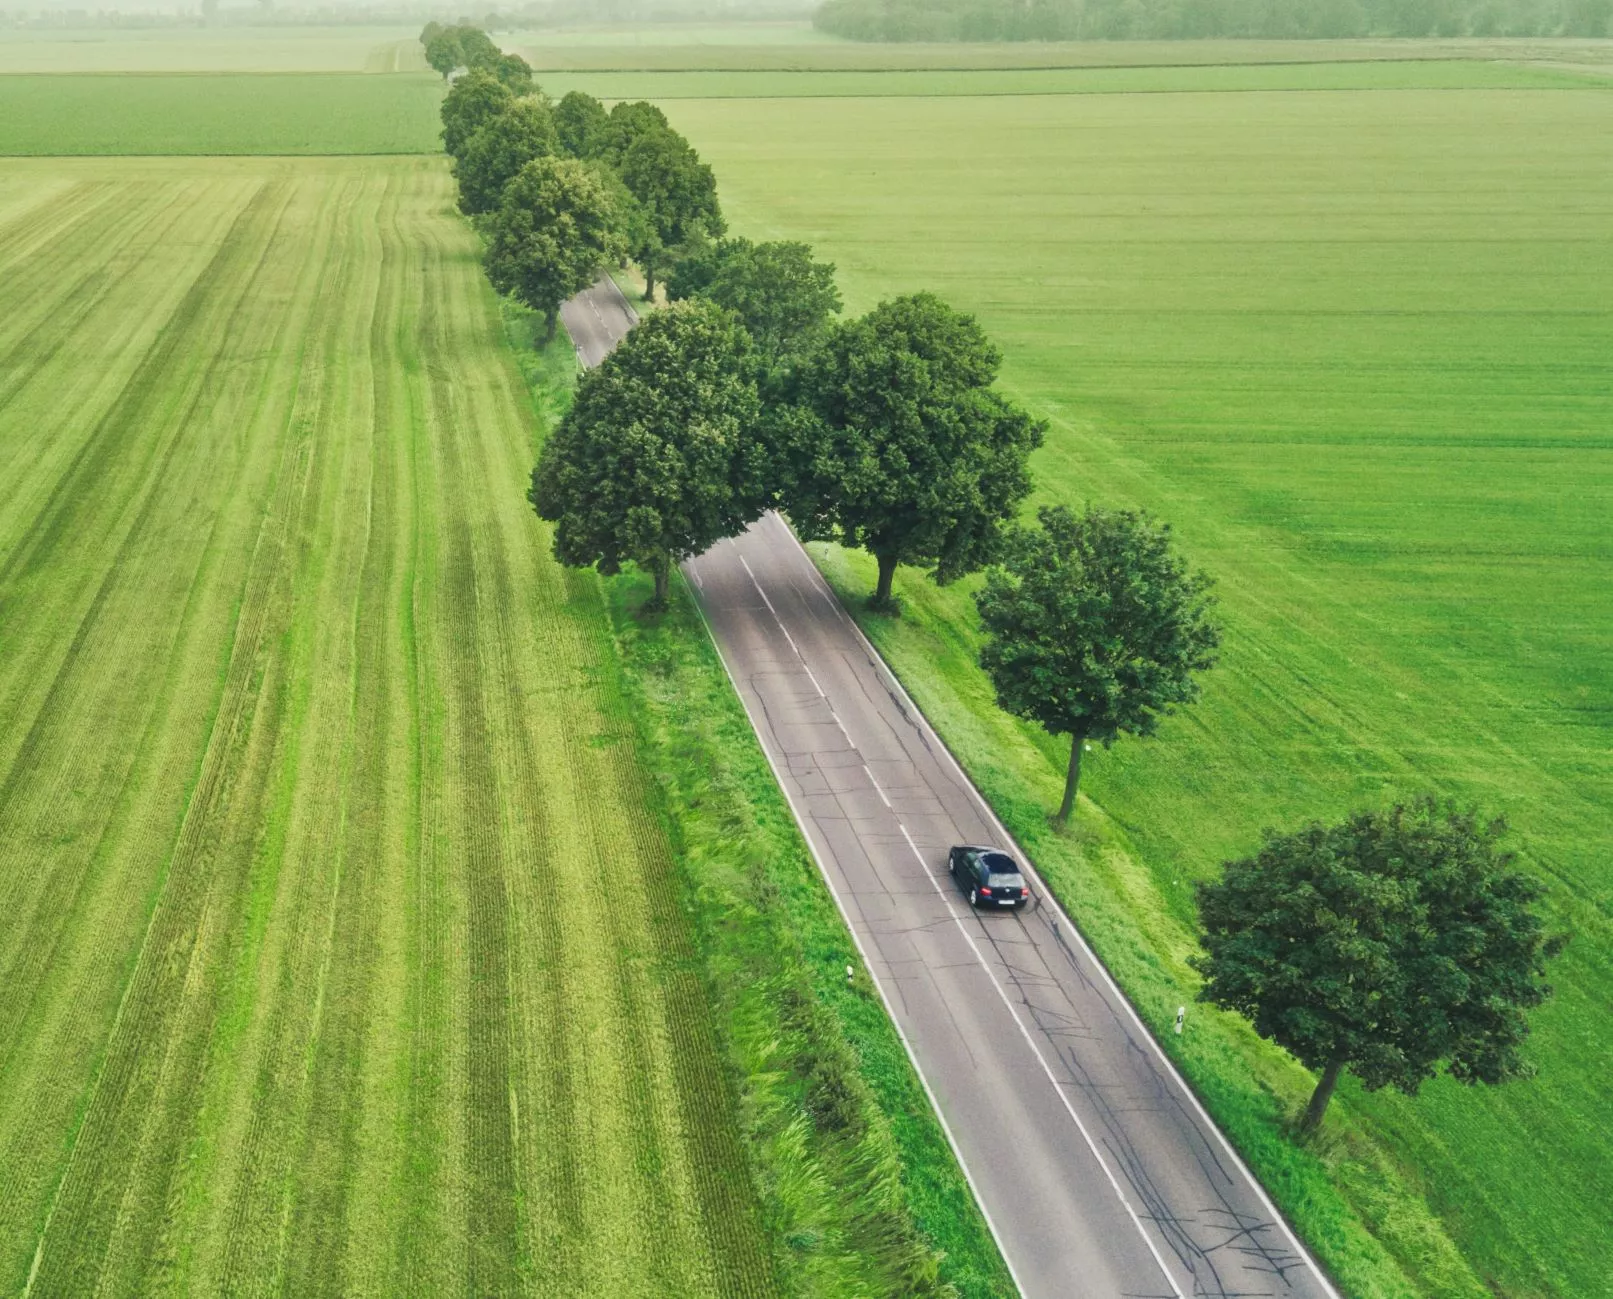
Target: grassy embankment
[(839, 1128), (1355, 345)]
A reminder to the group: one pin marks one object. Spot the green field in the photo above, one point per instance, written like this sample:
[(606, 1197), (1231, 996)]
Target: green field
[(212, 49), (341, 948), (753, 47), (1404, 74), (292, 113), (1358, 347)]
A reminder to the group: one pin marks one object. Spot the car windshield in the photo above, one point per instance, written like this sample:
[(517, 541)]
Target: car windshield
[(999, 863)]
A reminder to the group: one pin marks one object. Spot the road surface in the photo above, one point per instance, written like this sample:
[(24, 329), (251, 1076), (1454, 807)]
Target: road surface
[(1098, 1170)]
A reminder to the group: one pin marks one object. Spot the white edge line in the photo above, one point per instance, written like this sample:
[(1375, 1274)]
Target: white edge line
[(1048, 894), (952, 914), (845, 918), (1058, 1087)]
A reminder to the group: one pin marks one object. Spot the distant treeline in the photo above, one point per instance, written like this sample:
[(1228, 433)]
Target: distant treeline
[(1067, 20)]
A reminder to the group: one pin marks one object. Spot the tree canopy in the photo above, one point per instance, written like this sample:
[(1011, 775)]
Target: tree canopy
[(1388, 944), (463, 46), (521, 131), (626, 123), (1096, 627), (899, 444), (657, 458), (783, 297), (553, 231), (583, 124), (513, 71), (678, 193), (471, 102)]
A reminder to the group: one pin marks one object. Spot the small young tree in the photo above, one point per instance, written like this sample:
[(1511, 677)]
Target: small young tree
[(582, 123), (472, 101), (1096, 628), (554, 230), (677, 192), (1387, 944), (524, 130), (899, 444), (782, 296), (656, 459)]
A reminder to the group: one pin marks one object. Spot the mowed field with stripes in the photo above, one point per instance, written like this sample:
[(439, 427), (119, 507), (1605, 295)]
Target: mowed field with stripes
[(339, 950)]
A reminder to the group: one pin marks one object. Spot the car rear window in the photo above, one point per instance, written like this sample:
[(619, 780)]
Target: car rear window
[(999, 863)]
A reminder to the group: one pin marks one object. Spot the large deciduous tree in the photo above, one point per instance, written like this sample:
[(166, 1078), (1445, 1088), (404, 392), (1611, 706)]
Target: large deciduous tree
[(626, 123), (582, 123), (1096, 628), (784, 298), (1388, 944), (513, 71), (677, 192), (553, 231), (472, 101), (443, 50), (899, 444), (523, 131), (657, 458)]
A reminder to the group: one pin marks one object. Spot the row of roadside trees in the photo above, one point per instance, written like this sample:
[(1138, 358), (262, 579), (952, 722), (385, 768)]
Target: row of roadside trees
[(1391, 943)]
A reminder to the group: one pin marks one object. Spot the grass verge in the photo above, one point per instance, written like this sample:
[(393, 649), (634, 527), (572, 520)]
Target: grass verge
[(861, 1188)]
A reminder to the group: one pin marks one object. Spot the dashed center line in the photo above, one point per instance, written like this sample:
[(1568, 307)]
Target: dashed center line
[(974, 947)]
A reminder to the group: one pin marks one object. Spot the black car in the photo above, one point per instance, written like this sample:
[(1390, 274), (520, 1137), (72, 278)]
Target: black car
[(989, 877)]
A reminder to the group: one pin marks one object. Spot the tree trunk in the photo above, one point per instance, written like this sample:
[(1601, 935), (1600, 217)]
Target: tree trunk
[(1320, 1097), (1072, 777), (887, 570), (551, 323), (661, 567), (649, 281)]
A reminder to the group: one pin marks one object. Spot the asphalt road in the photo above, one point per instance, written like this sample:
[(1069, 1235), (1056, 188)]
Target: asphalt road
[(1100, 1173)]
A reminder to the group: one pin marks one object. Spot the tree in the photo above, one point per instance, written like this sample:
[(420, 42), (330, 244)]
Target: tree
[(900, 446), (1095, 628), (626, 123), (552, 233), (678, 193), (524, 130), (472, 101), (582, 123), (1387, 944), (782, 296), (443, 51), (513, 71), (477, 48), (656, 459)]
